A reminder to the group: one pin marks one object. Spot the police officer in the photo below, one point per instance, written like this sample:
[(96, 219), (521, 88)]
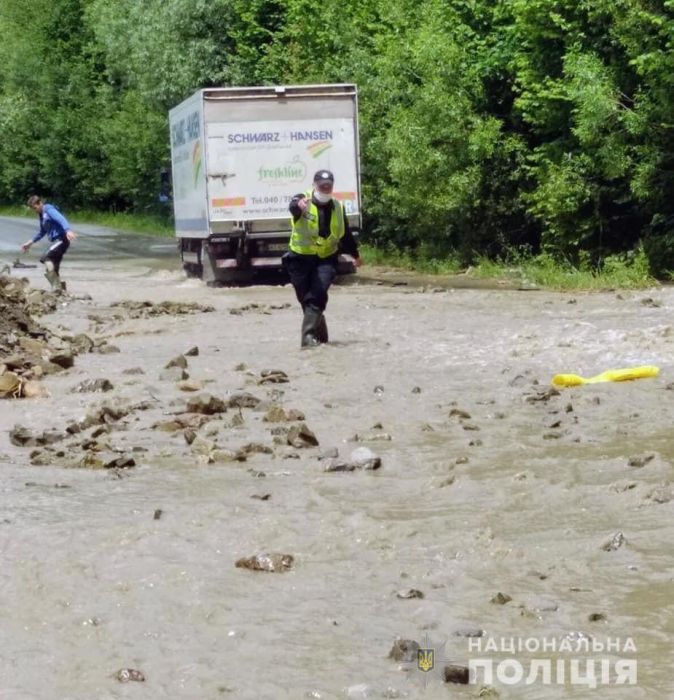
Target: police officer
[(56, 227), (320, 231)]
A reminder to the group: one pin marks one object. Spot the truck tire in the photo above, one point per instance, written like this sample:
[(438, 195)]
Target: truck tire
[(193, 270)]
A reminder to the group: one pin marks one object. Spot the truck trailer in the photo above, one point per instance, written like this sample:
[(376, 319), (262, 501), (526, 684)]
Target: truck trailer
[(238, 157)]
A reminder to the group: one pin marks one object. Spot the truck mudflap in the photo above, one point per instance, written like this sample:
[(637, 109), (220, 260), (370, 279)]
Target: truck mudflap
[(190, 253)]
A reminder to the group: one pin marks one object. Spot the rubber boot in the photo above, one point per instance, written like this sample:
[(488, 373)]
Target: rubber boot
[(322, 332), (310, 323), (52, 276)]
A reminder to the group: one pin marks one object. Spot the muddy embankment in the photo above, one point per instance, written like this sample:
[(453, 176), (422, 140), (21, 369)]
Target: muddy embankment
[(194, 507)]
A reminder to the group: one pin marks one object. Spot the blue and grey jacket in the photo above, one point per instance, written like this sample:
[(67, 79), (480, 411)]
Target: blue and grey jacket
[(52, 224)]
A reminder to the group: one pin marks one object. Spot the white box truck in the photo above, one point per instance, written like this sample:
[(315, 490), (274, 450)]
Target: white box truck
[(239, 155)]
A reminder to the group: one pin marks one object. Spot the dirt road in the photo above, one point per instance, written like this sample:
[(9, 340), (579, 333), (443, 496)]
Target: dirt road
[(489, 484)]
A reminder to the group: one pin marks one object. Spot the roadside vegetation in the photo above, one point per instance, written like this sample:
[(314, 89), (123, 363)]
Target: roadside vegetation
[(487, 126), (618, 271)]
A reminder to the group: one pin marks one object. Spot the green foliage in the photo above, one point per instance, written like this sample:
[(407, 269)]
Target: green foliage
[(624, 271), (485, 124), (424, 259)]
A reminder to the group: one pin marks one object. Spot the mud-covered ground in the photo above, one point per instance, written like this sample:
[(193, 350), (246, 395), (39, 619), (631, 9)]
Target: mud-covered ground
[(451, 499)]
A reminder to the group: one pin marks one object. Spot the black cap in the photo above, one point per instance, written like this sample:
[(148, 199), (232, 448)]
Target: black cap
[(324, 176)]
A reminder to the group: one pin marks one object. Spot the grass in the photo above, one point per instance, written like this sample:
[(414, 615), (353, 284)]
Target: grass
[(423, 261), (627, 271)]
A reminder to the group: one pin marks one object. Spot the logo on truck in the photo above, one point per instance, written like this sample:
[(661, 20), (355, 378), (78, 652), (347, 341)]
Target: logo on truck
[(197, 161), (315, 149), (185, 130), (293, 171)]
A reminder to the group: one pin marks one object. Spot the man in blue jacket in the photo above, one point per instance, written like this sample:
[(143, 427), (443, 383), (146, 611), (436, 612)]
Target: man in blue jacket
[(56, 227)]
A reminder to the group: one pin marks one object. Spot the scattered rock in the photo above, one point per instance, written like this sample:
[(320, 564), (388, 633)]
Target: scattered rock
[(649, 301), (125, 675), (660, 494), (173, 374), (179, 361), (300, 436), (639, 461), (64, 359), (93, 385), (542, 396), (277, 414), (256, 447), (192, 352), (500, 599), (330, 452), (364, 458), (23, 437), (453, 673), (371, 437), (147, 309), (404, 650), (105, 348), (334, 464), (243, 400), (273, 376), (616, 542), (409, 593), (11, 386), (121, 462), (471, 632), (206, 404), (622, 486), (189, 385), (277, 563)]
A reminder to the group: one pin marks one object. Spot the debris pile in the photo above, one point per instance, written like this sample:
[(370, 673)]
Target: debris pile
[(28, 351)]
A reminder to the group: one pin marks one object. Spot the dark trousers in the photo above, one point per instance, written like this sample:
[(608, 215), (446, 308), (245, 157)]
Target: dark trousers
[(311, 277), (56, 252)]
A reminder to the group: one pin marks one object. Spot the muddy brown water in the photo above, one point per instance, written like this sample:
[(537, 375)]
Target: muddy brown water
[(518, 499)]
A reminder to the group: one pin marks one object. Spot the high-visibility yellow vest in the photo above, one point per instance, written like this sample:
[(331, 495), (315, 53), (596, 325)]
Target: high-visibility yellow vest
[(304, 238)]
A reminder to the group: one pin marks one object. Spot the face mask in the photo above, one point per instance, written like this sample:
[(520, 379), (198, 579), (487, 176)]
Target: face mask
[(322, 197)]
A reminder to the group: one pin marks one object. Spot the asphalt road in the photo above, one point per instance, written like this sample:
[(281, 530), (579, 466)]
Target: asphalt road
[(93, 242)]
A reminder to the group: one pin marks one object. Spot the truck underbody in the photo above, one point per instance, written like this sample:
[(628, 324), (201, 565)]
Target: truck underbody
[(241, 257)]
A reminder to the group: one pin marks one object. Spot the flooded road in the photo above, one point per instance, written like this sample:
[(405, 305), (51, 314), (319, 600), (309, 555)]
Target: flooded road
[(490, 484)]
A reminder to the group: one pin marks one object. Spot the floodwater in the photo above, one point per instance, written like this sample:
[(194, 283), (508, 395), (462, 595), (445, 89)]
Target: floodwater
[(517, 497)]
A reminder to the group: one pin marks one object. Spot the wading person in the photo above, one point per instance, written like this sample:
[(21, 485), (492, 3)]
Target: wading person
[(56, 227), (320, 231)]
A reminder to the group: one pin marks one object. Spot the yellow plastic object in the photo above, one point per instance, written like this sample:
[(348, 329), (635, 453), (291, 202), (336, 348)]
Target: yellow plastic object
[(610, 375)]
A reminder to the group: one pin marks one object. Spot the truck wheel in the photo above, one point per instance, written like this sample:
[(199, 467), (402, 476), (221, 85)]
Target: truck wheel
[(193, 270)]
